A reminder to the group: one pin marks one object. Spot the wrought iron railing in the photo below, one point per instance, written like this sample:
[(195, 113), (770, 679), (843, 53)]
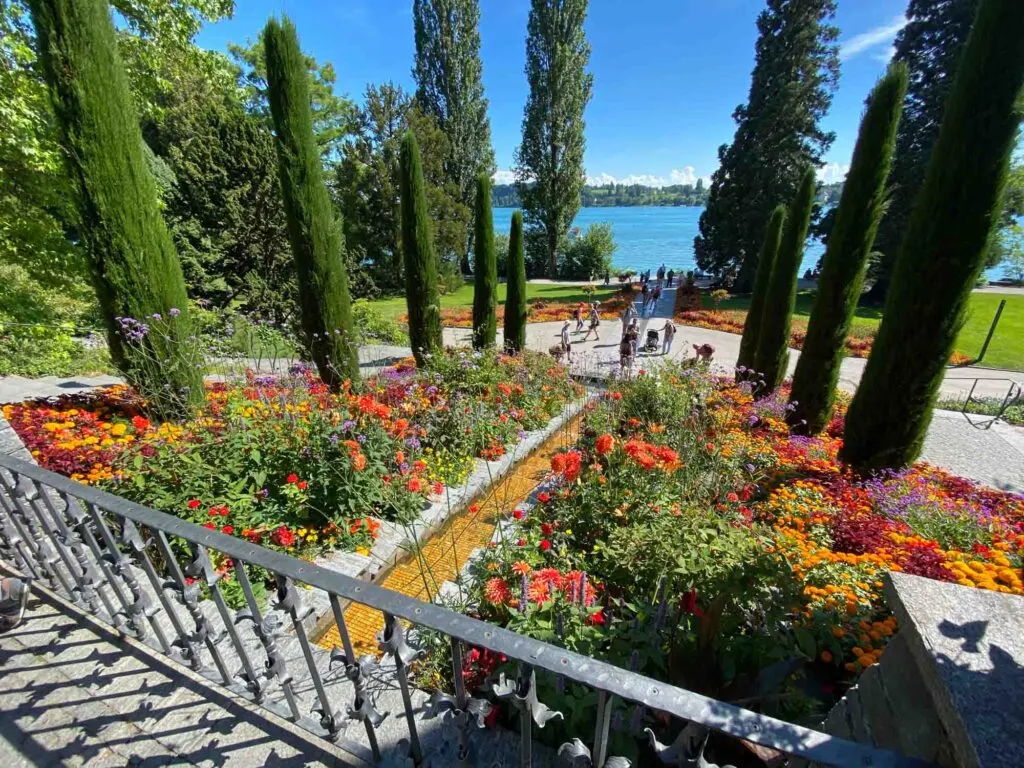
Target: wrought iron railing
[(120, 562)]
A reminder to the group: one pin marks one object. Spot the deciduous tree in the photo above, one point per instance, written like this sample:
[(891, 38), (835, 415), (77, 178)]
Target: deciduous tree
[(549, 161)]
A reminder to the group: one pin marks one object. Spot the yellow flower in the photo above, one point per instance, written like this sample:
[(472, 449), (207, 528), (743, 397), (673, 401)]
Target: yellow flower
[(118, 429)]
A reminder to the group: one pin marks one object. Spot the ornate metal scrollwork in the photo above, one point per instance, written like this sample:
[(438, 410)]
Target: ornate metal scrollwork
[(362, 707), (391, 640), (684, 752), (577, 755), (522, 692)]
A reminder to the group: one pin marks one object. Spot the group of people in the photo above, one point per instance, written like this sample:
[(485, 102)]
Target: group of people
[(630, 340)]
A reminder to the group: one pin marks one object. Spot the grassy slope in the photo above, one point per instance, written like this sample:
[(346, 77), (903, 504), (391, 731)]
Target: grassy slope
[(393, 306), (1005, 351)]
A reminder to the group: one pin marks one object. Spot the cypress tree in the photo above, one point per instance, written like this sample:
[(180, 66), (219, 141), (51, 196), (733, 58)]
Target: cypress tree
[(421, 294), (765, 262), (515, 296), (485, 268), (313, 228), (944, 247), (846, 258), (777, 315), (133, 264)]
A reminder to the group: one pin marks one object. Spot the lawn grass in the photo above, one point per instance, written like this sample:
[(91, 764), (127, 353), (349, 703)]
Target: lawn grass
[(393, 306), (1005, 351)]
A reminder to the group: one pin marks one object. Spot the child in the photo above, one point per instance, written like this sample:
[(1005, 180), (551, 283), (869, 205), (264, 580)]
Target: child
[(577, 315), (566, 344), (595, 322)]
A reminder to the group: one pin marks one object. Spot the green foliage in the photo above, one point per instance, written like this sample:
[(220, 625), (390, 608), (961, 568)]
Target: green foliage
[(549, 162), (773, 341), (421, 292), (135, 269), (795, 73), (617, 195), (944, 247), (846, 258), (371, 326), (449, 89), (931, 44), (516, 311), (313, 228), (588, 256), (485, 268), (765, 264), (367, 185), (224, 204), (333, 117)]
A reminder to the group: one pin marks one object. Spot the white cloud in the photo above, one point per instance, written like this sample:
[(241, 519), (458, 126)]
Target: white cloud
[(873, 37), (833, 172), (676, 176), (504, 177)]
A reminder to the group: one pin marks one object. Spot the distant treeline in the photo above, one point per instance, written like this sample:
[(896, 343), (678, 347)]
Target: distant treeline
[(608, 195)]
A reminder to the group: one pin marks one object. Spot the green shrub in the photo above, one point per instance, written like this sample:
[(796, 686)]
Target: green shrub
[(588, 256), (372, 326)]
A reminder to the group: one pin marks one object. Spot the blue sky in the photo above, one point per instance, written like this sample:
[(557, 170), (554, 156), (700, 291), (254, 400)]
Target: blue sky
[(667, 73)]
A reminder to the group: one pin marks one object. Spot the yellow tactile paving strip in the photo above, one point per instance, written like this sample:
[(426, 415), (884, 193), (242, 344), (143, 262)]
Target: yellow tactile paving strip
[(442, 557)]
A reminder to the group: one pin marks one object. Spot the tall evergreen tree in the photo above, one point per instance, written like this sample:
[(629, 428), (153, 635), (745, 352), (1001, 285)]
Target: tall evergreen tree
[(777, 316), (944, 247), (449, 87), (846, 257), (755, 313), (777, 135), (485, 268), (515, 294), (421, 295), (313, 228), (134, 266), (931, 45), (549, 161)]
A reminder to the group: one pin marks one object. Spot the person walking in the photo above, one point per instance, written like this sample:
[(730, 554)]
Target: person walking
[(661, 275), (655, 296), (628, 315), (633, 334), (566, 343), (577, 315), (644, 293), (625, 357), (668, 334), (595, 323), (607, 277), (671, 275)]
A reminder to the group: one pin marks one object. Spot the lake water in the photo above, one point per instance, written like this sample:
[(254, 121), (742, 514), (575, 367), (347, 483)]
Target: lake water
[(649, 236)]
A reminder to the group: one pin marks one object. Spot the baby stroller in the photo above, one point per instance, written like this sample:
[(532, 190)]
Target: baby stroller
[(651, 345)]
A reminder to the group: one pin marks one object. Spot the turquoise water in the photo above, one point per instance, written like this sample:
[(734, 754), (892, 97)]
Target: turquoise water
[(648, 237)]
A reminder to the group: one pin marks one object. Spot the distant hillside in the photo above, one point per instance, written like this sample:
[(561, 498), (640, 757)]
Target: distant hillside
[(609, 195)]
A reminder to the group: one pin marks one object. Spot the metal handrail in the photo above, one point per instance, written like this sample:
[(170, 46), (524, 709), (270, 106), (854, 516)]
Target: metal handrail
[(71, 545)]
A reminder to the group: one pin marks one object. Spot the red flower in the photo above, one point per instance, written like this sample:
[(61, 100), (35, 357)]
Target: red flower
[(543, 497), (518, 514), (474, 508), (546, 528), (283, 537), (194, 503), (415, 485), (597, 618), (293, 478), (228, 529), (211, 526), (732, 497), (439, 489), (689, 604), (302, 485), (616, 395), (545, 545), (521, 542), (141, 424), (212, 512), (604, 444), (251, 534)]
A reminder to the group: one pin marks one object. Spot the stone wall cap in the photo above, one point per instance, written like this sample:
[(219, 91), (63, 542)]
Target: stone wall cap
[(969, 647)]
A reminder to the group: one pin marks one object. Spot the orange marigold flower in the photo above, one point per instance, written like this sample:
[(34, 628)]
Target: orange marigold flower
[(496, 591), (521, 567), (604, 444)]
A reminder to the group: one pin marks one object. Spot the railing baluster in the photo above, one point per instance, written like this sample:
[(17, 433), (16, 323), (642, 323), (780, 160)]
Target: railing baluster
[(604, 719), (41, 552), (16, 541), (392, 640), (122, 566), (83, 571), (201, 567), (266, 630), (362, 708), (181, 647), (288, 600), (37, 523)]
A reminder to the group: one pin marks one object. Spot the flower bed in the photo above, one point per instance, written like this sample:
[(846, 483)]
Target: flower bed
[(689, 537), (283, 462), (539, 310)]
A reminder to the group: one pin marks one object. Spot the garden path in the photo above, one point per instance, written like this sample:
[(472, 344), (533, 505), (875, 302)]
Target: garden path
[(443, 557)]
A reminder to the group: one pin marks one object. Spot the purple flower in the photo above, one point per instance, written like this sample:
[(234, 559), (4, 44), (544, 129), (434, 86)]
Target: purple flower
[(523, 585), (412, 442), (361, 438), (174, 311), (157, 316), (347, 425)]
